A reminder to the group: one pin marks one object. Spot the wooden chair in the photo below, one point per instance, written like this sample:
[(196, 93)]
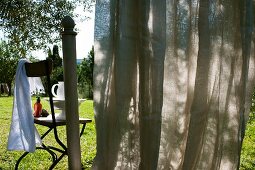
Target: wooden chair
[(40, 69)]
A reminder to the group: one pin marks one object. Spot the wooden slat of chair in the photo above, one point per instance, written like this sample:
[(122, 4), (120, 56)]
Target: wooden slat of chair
[(39, 69)]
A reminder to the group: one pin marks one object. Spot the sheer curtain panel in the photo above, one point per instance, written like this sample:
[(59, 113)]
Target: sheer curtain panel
[(173, 82)]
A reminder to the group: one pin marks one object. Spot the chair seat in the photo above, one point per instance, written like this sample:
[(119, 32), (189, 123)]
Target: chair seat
[(47, 121)]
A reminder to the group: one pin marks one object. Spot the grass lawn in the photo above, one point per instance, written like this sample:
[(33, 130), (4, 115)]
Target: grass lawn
[(42, 159)]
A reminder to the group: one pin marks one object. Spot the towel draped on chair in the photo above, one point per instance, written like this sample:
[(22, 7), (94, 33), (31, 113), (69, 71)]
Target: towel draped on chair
[(23, 134)]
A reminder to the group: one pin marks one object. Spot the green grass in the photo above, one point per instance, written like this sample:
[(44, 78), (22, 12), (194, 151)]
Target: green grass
[(41, 159), (248, 148)]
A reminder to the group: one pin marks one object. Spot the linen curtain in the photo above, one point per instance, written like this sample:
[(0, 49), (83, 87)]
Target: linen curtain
[(173, 82)]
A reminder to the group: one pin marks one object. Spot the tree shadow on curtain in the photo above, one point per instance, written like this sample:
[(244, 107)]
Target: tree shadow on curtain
[(170, 84)]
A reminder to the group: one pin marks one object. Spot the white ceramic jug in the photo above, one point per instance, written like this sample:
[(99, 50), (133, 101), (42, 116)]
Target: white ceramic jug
[(60, 90)]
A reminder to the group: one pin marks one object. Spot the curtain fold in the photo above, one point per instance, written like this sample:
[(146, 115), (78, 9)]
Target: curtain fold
[(173, 82)]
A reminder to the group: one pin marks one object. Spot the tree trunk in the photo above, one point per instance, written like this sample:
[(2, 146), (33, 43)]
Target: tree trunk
[(10, 88)]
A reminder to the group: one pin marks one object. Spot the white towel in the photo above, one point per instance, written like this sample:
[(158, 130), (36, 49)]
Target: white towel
[(23, 134)]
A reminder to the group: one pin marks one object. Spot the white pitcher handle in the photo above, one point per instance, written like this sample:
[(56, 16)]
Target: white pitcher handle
[(53, 90)]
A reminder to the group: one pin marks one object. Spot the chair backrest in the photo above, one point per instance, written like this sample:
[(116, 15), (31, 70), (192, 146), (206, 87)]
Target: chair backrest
[(39, 69)]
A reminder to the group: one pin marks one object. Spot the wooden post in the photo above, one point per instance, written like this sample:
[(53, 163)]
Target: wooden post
[(71, 96)]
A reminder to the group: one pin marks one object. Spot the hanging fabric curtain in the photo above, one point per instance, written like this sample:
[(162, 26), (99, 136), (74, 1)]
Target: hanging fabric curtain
[(173, 82)]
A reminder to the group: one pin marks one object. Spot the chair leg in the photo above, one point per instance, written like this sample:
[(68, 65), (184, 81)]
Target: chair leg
[(20, 158), (53, 154), (83, 128), (57, 161)]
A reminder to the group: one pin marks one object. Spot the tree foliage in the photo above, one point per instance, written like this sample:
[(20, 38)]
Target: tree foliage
[(87, 4), (85, 74), (57, 72), (29, 25), (57, 60), (32, 24), (8, 61)]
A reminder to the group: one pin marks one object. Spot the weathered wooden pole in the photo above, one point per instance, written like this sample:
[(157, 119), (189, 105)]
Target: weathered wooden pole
[(71, 96)]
